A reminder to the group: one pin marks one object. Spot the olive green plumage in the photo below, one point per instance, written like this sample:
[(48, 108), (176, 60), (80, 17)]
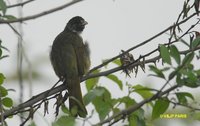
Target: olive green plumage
[(70, 60)]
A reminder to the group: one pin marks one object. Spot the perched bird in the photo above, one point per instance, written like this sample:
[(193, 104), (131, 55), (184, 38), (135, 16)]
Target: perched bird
[(70, 59)]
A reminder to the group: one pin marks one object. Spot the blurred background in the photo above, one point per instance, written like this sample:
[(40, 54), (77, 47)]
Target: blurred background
[(113, 25)]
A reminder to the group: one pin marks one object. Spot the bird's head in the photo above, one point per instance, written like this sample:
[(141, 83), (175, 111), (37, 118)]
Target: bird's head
[(76, 24)]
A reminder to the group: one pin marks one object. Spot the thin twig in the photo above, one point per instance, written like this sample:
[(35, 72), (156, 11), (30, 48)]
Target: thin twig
[(42, 96), (40, 14), (135, 63), (1, 110), (184, 105), (20, 60), (20, 4), (142, 43), (15, 30), (45, 94)]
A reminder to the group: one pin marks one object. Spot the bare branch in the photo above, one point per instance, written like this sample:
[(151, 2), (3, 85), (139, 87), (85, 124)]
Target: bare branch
[(20, 4), (136, 63), (60, 88), (142, 43), (184, 105), (15, 30), (38, 99), (1, 111), (52, 91), (34, 100), (40, 14)]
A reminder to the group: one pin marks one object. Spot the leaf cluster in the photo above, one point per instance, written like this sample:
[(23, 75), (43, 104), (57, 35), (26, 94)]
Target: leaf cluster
[(5, 101), (3, 11)]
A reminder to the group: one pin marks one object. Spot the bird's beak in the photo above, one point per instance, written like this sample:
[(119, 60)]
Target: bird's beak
[(85, 23)]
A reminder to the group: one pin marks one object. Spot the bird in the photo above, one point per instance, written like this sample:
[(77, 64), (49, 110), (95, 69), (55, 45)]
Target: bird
[(70, 58)]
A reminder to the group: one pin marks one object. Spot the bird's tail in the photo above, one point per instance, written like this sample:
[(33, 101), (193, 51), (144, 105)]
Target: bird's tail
[(76, 104)]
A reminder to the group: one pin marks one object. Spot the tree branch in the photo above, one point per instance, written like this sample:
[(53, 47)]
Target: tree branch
[(43, 95), (34, 100), (184, 105), (1, 111), (40, 14), (135, 107), (60, 88), (20, 4), (135, 63), (142, 43)]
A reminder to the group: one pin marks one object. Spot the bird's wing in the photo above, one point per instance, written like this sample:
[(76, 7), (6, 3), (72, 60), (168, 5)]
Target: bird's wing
[(81, 59), (70, 65), (69, 61)]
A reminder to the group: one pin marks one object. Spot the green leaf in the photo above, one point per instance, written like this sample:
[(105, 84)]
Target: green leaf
[(74, 111), (128, 101), (116, 80), (191, 80), (117, 62), (134, 120), (143, 91), (195, 42), (188, 58), (197, 72), (157, 71), (91, 83), (102, 108), (3, 6), (186, 82), (137, 118), (192, 77), (92, 94), (3, 91), (65, 120), (114, 101), (182, 97), (179, 80), (190, 67), (1, 78), (165, 69), (10, 17), (175, 54), (32, 124), (103, 104), (196, 116), (164, 53), (160, 107), (65, 109), (116, 110), (173, 74), (7, 102)]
